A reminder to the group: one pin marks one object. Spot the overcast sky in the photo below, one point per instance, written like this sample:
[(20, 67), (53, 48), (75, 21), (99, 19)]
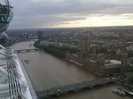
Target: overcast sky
[(71, 13)]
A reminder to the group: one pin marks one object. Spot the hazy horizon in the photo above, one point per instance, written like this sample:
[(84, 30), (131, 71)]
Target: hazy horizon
[(72, 27)]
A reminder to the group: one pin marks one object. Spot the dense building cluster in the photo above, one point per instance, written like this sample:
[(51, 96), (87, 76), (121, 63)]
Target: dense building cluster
[(103, 51), (99, 63)]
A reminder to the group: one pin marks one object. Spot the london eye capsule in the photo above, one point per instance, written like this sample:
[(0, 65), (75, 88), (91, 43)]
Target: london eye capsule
[(6, 14)]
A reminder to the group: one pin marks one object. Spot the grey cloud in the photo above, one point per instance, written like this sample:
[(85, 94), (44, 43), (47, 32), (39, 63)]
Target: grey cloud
[(35, 13)]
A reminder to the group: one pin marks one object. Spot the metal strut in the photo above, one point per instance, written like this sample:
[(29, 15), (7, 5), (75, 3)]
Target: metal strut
[(14, 84)]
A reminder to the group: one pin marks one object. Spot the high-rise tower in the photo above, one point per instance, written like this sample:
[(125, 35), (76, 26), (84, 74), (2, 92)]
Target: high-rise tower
[(40, 36), (85, 45), (124, 65)]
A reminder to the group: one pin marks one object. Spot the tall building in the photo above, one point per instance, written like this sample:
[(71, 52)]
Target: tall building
[(40, 36), (124, 63), (85, 45), (94, 51)]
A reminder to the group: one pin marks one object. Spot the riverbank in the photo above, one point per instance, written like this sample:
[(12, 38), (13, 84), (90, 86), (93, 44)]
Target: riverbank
[(58, 51)]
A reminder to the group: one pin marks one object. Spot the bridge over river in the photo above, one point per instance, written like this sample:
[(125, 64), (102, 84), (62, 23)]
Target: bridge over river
[(26, 50), (75, 87)]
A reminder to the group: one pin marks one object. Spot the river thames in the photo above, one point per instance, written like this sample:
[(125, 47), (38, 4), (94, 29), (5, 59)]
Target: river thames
[(46, 71)]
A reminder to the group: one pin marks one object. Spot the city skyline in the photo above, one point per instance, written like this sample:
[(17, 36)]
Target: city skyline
[(68, 13)]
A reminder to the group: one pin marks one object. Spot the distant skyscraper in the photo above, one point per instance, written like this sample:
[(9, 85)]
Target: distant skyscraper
[(40, 36)]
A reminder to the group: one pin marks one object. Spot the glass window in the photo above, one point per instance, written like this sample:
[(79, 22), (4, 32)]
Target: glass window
[(5, 12)]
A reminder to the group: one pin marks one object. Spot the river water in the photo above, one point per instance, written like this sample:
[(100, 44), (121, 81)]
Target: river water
[(47, 71)]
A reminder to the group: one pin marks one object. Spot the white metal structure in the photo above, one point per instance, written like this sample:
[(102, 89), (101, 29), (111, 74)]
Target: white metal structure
[(5, 88)]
